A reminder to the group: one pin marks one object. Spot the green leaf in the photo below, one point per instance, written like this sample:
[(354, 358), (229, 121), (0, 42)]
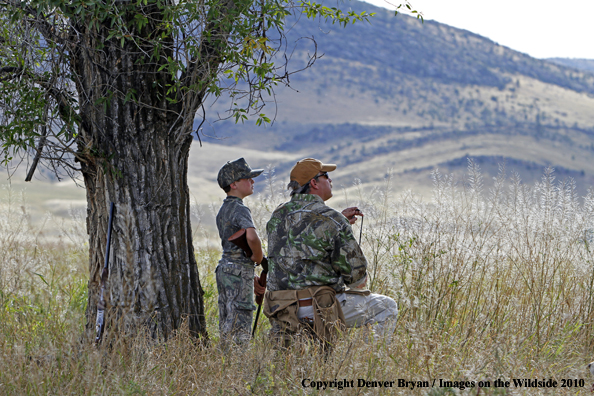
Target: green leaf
[(42, 278)]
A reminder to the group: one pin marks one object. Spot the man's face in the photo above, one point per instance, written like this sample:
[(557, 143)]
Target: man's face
[(324, 183)]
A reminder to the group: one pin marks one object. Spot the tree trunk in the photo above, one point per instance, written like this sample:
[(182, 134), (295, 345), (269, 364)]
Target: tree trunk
[(153, 278), (135, 152)]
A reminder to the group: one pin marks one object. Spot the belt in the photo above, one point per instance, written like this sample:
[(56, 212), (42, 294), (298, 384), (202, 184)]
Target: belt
[(306, 303), (304, 297)]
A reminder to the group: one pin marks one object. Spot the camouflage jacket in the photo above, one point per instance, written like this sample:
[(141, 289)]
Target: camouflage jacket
[(232, 217), (311, 244)]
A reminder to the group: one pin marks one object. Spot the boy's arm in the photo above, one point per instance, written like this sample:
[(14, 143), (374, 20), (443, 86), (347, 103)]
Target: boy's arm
[(255, 244)]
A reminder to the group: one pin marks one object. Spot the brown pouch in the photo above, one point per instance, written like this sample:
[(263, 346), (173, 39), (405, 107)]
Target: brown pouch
[(329, 319), (282, 306)]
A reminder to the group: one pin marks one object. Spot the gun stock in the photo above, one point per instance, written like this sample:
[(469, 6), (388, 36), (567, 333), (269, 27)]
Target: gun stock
[(262, 280), (240, 239)]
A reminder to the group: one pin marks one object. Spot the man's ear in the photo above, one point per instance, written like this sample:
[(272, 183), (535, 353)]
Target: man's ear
[(313, 184), (233, 186)]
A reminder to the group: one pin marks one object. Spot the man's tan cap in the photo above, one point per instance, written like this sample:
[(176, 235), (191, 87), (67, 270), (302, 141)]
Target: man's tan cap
[(307, 169)]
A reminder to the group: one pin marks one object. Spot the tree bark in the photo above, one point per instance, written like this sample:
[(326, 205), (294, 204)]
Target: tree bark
[(153, 278), (135, 153)]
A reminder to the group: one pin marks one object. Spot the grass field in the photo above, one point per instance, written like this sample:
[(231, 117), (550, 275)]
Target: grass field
[(491, 285)]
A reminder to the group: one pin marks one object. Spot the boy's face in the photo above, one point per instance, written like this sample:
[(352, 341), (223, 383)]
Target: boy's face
[(244, 187)]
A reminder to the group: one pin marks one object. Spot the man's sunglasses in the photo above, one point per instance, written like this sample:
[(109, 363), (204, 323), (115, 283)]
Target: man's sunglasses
[(322, 174)]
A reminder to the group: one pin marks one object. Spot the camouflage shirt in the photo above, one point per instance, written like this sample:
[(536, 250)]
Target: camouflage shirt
[(311, 244), (232, 217)]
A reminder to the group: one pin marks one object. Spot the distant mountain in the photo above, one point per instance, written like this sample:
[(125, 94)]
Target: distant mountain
[(409, 96), (580, 64), (397, 97)]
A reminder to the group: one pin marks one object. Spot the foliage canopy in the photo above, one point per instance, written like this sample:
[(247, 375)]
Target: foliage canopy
[(192, 49)]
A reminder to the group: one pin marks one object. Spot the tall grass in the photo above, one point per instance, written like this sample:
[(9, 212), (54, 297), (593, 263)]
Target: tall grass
[(491, 284)]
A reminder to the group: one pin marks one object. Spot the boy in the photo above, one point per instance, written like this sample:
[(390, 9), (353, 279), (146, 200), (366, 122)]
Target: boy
[(235, 272)]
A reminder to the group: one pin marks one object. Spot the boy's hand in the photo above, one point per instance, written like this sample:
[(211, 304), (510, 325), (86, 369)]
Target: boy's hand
[(259, 289)]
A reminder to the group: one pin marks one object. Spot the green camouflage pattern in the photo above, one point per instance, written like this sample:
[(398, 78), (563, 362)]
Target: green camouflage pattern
[(235, 170), (234, 274), (311, 244), (232, 217), (235, 284)]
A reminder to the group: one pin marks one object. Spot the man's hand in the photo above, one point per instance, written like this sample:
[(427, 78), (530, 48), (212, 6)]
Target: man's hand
[(350, 214), (259, 290), (360, 285)]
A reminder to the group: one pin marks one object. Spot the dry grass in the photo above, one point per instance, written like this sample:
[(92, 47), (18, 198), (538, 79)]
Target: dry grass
[(490, 285)]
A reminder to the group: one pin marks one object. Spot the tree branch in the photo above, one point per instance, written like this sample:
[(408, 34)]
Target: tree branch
[(205, 65), (10, 72), (39, 20), (37, 154)]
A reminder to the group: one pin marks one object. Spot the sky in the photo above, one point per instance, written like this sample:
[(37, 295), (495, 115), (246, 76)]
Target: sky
[(539, 28)]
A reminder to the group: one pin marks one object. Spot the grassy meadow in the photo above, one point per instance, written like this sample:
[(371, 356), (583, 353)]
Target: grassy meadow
[(492, 284)]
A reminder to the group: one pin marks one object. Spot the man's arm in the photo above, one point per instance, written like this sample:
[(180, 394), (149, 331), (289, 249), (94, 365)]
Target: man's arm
[(347, 257), (350, 214), (255, 244), (355, 261)]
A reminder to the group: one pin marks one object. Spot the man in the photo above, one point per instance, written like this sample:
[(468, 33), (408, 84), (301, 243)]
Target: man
[(235, 272), (312, 255)]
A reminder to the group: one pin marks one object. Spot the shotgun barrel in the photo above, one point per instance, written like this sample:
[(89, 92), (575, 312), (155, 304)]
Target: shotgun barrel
[(100, 322)]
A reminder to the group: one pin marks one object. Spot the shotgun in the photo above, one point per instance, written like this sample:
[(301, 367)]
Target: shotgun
[(260, 298), (240, 239), (100, 323)]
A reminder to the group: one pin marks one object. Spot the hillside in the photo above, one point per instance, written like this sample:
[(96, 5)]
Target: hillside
[(398, 95), (412, 96), (580, 64)]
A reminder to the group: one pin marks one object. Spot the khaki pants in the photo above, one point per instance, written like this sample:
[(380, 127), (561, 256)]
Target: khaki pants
[(376, 310)]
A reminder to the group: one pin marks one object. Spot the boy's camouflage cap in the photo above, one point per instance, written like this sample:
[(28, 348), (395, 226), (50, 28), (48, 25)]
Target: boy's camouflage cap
[(307, 169), (235, 170)]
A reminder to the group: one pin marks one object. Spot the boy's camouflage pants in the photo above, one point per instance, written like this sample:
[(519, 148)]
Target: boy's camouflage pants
[(235, 283)]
